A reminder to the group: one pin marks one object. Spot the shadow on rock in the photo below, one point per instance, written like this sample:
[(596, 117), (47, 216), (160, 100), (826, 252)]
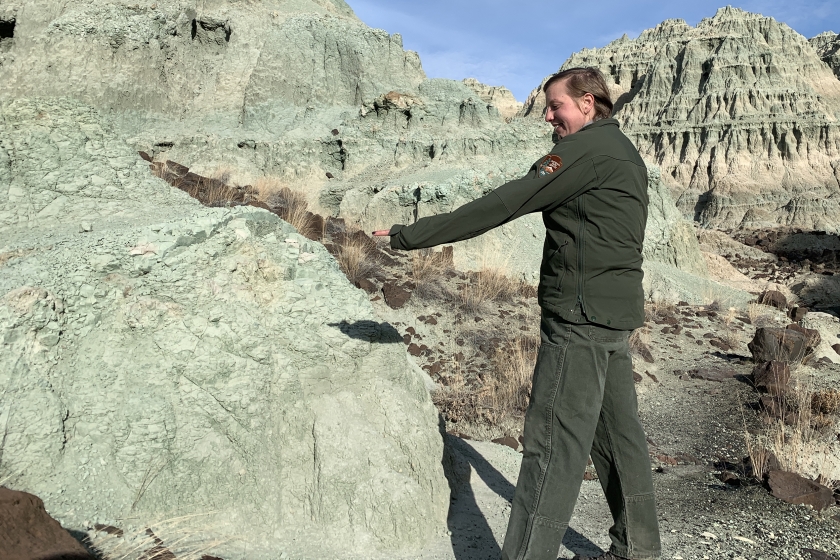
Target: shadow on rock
[(471, 534), (369, 331)]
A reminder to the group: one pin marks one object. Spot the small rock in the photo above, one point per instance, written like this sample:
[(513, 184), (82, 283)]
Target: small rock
[(720, 344), (812, 335), (773, 298), (366, 285), (330, 175), (836, 348), (637, 377), (85, 227), (817, 554), (712, 373), (795, 489), (730, 478), (509, 441), (798, 313), (396, 296)]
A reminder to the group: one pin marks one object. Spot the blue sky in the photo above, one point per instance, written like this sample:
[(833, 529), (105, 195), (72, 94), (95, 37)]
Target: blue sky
[(516, 44)]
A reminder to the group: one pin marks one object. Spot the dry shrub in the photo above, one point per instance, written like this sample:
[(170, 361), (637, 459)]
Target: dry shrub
[(794, 441), (502, 394), (759, 314), (290, 205), (733, 337), (172, 538), (730, 315), (659, 307), (826, 401), (356, 254), (428, 272), (223, 174), (428, 265), (489, 284), (509, 387)]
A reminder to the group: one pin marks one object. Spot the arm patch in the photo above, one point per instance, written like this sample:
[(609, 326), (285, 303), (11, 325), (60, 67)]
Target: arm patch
[(549, 165)]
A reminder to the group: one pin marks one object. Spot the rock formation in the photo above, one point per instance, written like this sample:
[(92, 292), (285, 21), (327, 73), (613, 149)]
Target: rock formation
[(739, 112), (498, 96), (827, 45), (162, 359)]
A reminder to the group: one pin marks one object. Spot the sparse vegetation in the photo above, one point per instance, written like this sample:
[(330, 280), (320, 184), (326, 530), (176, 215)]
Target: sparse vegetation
[(169, 539), (503, 393), (356, 255), (489, 284)]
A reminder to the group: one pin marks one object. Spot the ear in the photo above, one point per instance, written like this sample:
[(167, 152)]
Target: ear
[(589, 102)]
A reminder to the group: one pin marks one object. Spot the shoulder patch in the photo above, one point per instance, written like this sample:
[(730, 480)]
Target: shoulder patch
[(549, 165)]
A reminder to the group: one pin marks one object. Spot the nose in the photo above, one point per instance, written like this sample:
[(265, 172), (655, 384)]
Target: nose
[(548, 115)]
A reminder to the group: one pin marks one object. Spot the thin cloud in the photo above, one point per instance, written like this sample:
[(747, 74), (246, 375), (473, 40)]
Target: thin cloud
[(517, 45)]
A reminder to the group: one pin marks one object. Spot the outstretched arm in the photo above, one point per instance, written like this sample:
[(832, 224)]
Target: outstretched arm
[(533, 193)]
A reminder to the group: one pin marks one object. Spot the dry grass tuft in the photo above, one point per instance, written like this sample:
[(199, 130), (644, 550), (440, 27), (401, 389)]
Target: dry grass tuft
[(356, 255), (509, 388), (657, 308), (499, 396), (429, 269), (290, 205), (759, 314), (826, 401), (489, 284), (794, 442), (169, 539)]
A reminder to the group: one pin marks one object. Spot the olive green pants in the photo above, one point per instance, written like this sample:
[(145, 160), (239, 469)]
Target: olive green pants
[(583, 403)]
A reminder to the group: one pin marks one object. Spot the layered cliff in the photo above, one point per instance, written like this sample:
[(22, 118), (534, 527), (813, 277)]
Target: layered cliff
[(740, 112), (827, 45)]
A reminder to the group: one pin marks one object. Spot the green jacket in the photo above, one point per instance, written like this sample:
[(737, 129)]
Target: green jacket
[(592, 192)]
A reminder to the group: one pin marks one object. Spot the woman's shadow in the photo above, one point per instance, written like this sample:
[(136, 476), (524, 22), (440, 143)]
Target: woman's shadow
[(471, 535)]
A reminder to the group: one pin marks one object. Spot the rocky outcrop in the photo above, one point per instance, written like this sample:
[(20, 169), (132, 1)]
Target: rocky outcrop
[(162, 359), (827, 45), (498, 96), (222, 66), (739, 112)]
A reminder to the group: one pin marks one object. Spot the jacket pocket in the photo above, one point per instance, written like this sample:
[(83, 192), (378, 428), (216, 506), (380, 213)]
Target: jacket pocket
[(558, 285)]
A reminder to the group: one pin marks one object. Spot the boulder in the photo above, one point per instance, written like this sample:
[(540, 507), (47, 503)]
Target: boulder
[(772, 377), (209, 364), (28, 532), (828, 328), (797, 490), (781, 345), (774, 298)]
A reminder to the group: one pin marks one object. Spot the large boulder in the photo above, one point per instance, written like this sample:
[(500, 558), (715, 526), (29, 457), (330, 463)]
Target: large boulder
[(171, 360)]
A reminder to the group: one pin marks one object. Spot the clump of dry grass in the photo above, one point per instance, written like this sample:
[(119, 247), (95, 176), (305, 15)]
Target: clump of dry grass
[(759, 314), (509, 387), (826, 401), (356, 255), (428, 270), (489, 284), (793, 443), (498, 396), (658, 307), (168, 539), (290, 205)]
